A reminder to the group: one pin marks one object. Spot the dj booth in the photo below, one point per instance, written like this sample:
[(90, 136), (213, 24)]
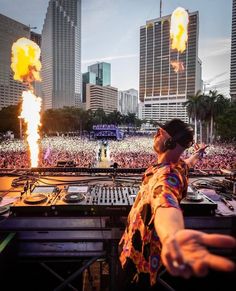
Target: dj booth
[(71, 216)]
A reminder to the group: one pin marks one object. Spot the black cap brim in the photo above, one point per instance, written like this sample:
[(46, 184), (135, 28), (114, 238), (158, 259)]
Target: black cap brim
[(160, 125)]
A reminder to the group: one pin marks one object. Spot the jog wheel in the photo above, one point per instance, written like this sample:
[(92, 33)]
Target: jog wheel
[(194, 197), (74, 197), (4, 209), (36, 198)]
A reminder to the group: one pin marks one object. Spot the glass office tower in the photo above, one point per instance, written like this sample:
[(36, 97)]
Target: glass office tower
[(61, 54), (103, 73)]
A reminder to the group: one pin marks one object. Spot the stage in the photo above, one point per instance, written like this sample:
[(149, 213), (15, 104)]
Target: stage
[(78, 234)]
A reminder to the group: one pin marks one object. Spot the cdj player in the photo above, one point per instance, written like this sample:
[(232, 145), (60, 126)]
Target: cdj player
[(96, 200), (36, 201), (196, 203)]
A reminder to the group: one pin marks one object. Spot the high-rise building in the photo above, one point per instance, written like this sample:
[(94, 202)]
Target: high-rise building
[(103, 73), (233, 54), (36, 37), (103, 97), (88, 78), (199, 81), (61, 54), (128, 101), (162, 90), (10, 32)]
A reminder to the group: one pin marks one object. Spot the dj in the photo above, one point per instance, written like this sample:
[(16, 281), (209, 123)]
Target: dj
[(155, 233)]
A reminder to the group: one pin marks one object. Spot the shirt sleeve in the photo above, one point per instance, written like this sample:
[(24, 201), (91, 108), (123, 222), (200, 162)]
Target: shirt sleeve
[(166, 192)]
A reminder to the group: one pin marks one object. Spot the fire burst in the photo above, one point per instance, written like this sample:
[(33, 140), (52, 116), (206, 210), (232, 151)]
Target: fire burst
[(177, 66), (179, 29), (26, 66), (25, 60), (31, 113), (179, 35)]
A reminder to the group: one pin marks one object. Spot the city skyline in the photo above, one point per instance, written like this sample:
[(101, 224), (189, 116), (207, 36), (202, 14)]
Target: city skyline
[(110, 33)]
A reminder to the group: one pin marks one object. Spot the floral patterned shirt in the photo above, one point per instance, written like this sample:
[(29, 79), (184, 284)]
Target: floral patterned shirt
[(163, 185)]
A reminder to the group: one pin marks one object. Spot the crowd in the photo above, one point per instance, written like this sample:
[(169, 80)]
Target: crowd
[(136, 152), (132, 152), (218, 156), (83, 152)]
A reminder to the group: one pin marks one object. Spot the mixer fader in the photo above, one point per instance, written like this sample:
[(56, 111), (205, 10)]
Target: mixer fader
[(108, 195), (95, 200)]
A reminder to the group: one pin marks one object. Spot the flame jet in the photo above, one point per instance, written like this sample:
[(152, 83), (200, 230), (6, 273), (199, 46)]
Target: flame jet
[(179, 29), (179, 35), (177, 66), (26, 67)]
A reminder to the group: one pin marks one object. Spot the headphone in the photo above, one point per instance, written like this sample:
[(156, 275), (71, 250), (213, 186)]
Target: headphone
[(170, 143)]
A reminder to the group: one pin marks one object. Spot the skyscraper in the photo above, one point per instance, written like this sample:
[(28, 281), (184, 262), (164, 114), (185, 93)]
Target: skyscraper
[(10, 32), (103, 73), (128, 101), (61, 54), (88, 78), (233, 54), (162, 90), (36, 37), (101, 97)]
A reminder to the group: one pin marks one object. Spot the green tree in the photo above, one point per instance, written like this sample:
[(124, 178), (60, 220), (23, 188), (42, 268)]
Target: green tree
[(88, 120), (99, 116), (52, 120), (9, 119), (226, 123), (192, 105), (114, 117), (215, 103)]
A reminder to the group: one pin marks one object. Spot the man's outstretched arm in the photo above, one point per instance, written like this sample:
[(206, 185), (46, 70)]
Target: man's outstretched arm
[(184, 251)]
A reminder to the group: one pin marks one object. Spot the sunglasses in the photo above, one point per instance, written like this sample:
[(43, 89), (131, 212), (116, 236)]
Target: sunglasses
[(159, 131)]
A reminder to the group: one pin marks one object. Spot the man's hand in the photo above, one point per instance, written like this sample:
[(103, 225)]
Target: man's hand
[(185, 254), (200, 149)]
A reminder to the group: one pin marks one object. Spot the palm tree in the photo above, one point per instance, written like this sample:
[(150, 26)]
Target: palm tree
[(226, 123), (99, 116), (215, 103), (114, 117), (192, 105), (202, 113)]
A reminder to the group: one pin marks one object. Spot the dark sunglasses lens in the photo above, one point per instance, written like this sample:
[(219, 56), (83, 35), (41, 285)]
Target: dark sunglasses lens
[(158, 131)]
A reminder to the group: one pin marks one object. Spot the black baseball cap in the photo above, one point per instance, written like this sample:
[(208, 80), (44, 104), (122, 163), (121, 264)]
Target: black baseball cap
[(181, 132)]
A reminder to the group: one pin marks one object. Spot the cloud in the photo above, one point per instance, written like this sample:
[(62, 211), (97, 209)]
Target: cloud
[(216, 77), (223, 84), (214, 47), (215, 56), (110, 58)]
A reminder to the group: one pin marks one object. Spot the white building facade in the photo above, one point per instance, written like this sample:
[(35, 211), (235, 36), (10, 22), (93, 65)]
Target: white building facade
[(128, 101), (161, 89), (101, 97)]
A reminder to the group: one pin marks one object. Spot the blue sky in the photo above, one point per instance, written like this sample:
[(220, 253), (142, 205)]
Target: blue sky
[(110, 32)]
